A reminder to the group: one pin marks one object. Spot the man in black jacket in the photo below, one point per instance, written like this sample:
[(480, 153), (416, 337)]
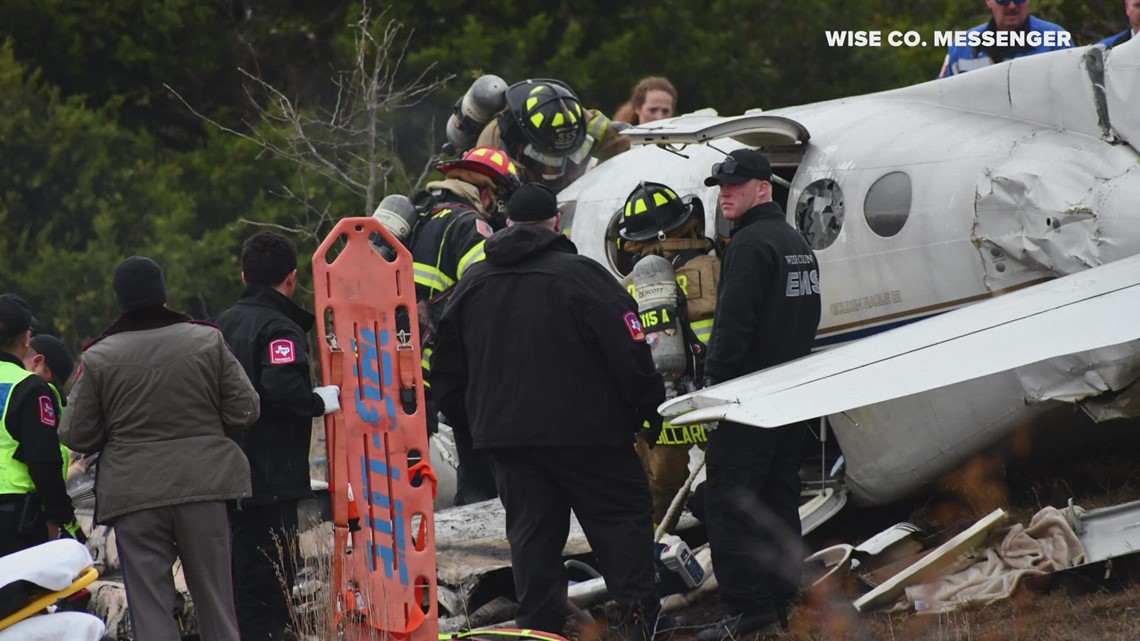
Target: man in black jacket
[(767, 312), (541, 353), (266, 331)]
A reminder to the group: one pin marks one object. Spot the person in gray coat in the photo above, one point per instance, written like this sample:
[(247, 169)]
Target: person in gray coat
[(157, 395)]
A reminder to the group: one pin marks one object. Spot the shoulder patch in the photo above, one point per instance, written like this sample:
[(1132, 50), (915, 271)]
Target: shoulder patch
[(633, 324), (47, 411), (483, 228), (282, 351)]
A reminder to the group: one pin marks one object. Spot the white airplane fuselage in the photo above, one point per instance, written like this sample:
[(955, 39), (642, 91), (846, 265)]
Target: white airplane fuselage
[(999, 201)]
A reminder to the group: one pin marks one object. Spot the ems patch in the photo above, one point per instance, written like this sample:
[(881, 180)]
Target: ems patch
[(47, 411), (633, 324), (483, 228), (282, 351)]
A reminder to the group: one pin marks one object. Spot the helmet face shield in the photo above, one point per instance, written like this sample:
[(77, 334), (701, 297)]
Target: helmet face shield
[(558, 160)]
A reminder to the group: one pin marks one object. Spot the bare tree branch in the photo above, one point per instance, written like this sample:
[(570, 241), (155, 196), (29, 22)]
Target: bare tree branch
[(349, 142)]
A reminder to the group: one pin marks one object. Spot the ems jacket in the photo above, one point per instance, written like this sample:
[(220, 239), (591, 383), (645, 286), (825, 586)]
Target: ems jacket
[(768, 303), (267, 333), (963, 58), (542, 347), (445, 245), (30, 458), (158, 396)]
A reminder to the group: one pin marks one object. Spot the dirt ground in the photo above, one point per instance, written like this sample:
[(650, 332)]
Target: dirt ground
[(1078, 604)]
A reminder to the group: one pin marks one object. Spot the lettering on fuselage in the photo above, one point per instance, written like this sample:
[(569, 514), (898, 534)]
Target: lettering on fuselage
[(880, 299)]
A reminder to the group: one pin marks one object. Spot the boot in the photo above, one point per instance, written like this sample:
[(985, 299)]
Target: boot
[(636, 623)]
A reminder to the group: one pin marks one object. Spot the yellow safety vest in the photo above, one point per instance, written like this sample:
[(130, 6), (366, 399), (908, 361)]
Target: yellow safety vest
[(14, 477)]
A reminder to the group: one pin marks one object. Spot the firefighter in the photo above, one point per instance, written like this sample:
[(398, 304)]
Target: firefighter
[(457, 215), (545, 128), (656, 221)]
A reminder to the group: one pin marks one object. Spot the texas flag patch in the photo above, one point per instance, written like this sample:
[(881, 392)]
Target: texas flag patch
[(633, 324), (47, 411), (483, 228), (282, 351)]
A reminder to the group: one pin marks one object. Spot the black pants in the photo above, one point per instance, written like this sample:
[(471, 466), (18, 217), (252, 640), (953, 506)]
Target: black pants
[(265, 542), (11, 539), (474, 479), (752, 514), (608, 492)]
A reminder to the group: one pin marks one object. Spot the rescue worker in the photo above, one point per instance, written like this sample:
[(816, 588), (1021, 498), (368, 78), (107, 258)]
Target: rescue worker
[(656, 221), (546, 130), (1008, 16), (767, 313), (1132, 10), (50, 359), (34, 505), (457, 215), (266, 332), (559, 435)]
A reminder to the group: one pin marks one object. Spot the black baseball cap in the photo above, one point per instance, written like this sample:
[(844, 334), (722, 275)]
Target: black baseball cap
[(15, 315), (56, 355), (739, 167)]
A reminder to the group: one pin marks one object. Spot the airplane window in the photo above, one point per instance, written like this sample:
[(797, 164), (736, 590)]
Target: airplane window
[(887, 205), (819, 213)]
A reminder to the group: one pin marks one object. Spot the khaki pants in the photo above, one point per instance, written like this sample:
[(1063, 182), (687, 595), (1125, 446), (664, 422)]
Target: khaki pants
[(149, 541), (667, 464)]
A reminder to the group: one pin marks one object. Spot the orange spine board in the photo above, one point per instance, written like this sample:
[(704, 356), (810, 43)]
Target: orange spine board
[(384, 573)]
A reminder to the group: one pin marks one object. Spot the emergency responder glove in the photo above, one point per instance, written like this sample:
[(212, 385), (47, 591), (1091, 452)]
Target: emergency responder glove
[(71, 529), (652, 427), (330, 396), (598, 126)]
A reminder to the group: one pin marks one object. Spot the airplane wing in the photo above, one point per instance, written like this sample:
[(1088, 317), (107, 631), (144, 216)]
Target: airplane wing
[(1089, 310)]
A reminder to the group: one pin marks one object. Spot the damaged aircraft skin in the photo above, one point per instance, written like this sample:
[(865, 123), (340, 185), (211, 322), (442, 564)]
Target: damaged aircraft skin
[(949, 212)]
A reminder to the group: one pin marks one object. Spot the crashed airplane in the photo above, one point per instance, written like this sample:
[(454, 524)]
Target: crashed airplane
[(977, 239)]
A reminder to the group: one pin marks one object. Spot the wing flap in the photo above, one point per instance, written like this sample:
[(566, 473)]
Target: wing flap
[(1089, 310)]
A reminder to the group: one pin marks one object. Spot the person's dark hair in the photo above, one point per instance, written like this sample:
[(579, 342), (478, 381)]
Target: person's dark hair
[(268, 258), (11, 343)]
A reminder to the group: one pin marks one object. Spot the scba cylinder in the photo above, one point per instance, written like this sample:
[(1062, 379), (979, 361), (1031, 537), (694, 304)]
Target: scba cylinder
[(486, 97), (656, 285), (398, 214)]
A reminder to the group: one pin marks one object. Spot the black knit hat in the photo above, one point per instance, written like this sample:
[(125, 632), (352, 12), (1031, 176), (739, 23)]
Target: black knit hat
[(532, 202), (138, 282), (56, 355)]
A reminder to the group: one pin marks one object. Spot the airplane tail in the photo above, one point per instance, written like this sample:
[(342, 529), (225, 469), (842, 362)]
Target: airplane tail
[(1087, 90)]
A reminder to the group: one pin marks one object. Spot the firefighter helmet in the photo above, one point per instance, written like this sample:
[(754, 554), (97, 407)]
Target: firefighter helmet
[(550, 116), (652, 210), (489, 161)]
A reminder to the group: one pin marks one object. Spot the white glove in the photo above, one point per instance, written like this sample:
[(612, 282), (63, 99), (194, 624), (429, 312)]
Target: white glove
[(330, 394)]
